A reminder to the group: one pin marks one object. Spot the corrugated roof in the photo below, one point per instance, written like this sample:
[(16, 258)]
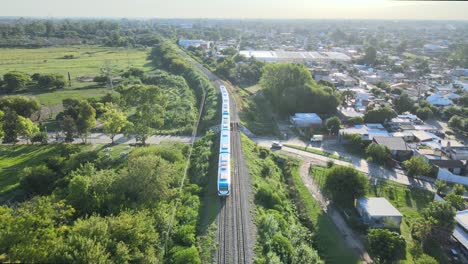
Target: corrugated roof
[(378, 206), (393, 143)]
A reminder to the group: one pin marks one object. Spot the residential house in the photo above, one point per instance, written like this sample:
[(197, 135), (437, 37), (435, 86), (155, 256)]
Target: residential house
[(460, 233), (397, 146), (378, 212)]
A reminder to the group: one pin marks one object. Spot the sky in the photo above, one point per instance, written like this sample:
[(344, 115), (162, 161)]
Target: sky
[(277, 9)]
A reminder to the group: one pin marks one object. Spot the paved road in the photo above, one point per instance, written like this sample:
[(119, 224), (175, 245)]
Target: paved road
[(100, 138), (371, 169)]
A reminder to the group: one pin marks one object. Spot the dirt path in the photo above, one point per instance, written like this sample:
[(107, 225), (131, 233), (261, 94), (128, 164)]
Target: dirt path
[(350, 237)]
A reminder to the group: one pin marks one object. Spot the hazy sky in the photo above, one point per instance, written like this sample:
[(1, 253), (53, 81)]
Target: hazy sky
[(345, 9)]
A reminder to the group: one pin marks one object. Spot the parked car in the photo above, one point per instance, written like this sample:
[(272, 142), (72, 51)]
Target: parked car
[(276, 145)]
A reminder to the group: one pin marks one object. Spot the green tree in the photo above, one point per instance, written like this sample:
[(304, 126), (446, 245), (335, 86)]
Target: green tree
[(149, 110), (15, 80), (114, 122), (425, 259), (378, 153), (356, 120), (370, 55), (441, 186), (386, 246), (455, 200), (333, 125), (404, 103), (185, 255), (31, 231), (282, 248), (345, 184), (306, 254), (290, 88), (10, 126), (459, 189), (442, 218), (22, 105), (379, 115), (38, 180), (26, 128), (68, 126), (50, 80), (456, 123), (417, 166), (424, 113), (86, 120)]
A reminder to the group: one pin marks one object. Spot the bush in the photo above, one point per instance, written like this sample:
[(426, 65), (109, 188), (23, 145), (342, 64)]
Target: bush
[(40, 137), (378, 153), (38, 180), (417, 166)]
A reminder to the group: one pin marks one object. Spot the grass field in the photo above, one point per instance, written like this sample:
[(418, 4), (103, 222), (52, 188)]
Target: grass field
[(409, 201), (87, 63)]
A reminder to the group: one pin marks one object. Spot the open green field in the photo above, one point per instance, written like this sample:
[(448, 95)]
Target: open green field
[(86, 63)]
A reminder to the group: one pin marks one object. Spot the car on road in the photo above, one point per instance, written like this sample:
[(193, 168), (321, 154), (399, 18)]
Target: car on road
[(276, 145)]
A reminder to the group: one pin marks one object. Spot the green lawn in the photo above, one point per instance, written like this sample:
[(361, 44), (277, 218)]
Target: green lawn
[(87, 63), (318, 152)]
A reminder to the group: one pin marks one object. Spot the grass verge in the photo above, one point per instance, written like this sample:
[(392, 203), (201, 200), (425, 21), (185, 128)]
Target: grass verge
[(318, 152)]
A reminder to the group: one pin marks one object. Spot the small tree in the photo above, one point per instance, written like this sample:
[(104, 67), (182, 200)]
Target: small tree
[(10, 126), (26, 128), (404, 103), (441, 186), (379, 115), (345, 184), (455, 200), (114, 122), (378, 153), (15, 80), (68, 127), (50, 80), (417, 166), (86, 120), (426, 259), (333, 125), (459, 189), (386, 246), (442, 218), (356, 120), (424, 113)]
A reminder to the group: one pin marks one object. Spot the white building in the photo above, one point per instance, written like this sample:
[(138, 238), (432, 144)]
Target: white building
[(378, 212), (306, 120)]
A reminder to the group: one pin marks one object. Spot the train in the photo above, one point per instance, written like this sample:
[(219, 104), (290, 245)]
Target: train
[(224, 164)]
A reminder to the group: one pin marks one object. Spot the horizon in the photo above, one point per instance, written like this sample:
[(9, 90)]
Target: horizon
[(241, 9)]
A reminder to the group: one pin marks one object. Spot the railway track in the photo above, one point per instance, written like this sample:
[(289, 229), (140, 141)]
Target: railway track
[(236, 231), (232, 221)]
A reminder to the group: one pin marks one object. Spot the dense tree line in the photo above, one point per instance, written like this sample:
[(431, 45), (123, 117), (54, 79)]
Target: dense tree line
[(15, 81), (95, 211), (291, 89), (165, 56), (282, 236)]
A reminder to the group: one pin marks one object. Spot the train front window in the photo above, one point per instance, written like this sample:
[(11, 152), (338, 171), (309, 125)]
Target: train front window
[(223, 188)]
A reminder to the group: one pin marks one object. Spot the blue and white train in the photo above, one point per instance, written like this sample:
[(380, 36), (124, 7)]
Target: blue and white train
[(224, 164)]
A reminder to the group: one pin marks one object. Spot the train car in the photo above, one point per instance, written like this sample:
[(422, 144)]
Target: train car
[(225, 123), (225, 142), (224, 175)]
